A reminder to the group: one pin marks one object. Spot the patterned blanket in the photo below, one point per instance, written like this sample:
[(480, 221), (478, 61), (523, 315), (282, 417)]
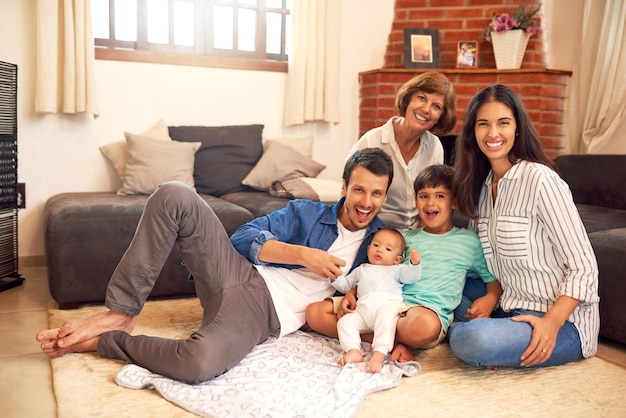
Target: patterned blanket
[(293, 376)]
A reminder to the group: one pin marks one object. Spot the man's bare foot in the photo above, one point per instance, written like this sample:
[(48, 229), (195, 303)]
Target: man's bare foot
[(376, 362), (401, 354), (352, 356), (71, 336), (50, 338)]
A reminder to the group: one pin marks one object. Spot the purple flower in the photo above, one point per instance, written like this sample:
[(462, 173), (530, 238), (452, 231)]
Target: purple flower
[(523, 18)]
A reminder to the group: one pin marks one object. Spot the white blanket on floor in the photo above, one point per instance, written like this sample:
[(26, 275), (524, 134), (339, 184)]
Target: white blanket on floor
[(296, 375)]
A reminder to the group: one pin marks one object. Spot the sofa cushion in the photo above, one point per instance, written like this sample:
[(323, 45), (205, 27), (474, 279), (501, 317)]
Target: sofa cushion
[(279, 160), (226, 156), (598, 218), (152, 163), (87, 233), (595, 179), (609, 248), (258, 203)]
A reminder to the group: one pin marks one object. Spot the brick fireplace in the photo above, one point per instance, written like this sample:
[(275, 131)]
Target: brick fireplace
[(542, 90)]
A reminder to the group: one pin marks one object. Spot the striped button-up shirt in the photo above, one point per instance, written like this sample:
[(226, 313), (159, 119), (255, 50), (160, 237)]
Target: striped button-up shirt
[(536, 245)]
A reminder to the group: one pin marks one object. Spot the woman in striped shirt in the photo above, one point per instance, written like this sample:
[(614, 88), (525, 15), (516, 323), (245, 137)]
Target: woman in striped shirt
[(534, 242)]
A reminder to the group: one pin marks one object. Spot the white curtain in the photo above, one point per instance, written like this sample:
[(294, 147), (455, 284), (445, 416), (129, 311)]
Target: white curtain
[(597, 104), (311, 92), (65, 58)]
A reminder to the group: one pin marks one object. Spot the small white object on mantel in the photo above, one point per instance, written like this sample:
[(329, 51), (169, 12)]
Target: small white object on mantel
[(509, 48)]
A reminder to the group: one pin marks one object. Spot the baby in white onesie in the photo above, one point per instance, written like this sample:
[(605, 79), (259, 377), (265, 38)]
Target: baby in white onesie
[(379, 298)]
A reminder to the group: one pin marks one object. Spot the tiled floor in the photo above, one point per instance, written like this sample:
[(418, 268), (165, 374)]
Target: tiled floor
[(25, 377)]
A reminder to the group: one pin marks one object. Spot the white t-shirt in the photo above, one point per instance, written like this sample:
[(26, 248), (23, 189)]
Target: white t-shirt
[(293, 290)]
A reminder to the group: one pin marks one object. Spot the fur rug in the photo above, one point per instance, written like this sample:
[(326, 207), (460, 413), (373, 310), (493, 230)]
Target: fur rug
[(84, 383)]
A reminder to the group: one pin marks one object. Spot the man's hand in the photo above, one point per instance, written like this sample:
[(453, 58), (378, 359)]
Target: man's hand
[(323, 264), (315, 260)]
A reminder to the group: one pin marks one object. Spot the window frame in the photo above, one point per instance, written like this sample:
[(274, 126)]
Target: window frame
[(113, 49)]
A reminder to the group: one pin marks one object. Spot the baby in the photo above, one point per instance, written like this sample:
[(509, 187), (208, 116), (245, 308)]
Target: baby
[(379, 292)]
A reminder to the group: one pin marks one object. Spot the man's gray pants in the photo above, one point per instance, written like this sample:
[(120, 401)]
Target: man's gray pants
[(238, 312)]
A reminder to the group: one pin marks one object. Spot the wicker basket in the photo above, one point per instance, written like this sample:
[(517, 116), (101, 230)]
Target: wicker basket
[(509, 48)]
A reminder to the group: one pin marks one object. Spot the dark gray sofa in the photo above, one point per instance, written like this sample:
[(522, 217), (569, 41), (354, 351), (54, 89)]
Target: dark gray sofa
[(597, 184), (87, 233)]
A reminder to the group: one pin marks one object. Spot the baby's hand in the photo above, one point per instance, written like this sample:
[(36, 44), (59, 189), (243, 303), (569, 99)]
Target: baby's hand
[(415, 257)]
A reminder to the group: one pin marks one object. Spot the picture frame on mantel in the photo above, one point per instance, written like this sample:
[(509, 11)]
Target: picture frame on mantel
[(467, 54), (421, 48)]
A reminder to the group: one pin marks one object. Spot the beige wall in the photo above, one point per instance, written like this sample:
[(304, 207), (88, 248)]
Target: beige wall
[(561, 18)]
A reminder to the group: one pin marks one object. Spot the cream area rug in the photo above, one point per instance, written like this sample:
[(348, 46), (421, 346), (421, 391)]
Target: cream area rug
[(85, 385)]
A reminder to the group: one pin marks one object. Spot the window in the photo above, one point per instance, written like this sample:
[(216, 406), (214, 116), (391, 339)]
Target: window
[(246, 34)]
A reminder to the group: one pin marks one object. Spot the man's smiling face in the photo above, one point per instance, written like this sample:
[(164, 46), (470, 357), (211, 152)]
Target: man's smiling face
[(365, 195)]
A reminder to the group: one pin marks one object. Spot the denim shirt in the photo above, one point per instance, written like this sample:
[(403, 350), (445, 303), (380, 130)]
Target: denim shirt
[(301, 222)]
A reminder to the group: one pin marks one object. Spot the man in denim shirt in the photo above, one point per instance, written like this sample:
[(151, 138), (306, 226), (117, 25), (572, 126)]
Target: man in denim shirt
[(258, 286)]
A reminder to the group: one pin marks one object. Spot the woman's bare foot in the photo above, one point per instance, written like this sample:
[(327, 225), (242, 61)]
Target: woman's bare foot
[(496, 368), (401, 354), (78, 335), (376, 362), (352, 356)]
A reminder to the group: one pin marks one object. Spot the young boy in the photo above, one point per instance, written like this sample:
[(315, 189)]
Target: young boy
[(448, 254), (379, 290)]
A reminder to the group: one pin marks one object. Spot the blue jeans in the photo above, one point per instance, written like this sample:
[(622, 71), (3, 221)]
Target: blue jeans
[(500, 341), (474, 288)]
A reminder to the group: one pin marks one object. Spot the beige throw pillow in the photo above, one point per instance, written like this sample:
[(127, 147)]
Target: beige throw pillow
[(304, 144), (117, 152), (152, 163), (277, 161)]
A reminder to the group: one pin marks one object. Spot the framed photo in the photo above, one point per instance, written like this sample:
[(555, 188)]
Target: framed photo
[(421, 48), (467, 54)]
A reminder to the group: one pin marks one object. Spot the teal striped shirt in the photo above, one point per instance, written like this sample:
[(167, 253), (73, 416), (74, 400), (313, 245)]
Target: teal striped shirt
[(446, 259)]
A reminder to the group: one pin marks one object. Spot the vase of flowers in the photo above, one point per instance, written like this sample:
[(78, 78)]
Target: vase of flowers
[(509, 35)]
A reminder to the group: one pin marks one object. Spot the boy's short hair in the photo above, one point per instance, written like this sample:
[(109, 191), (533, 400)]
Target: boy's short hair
[(433, 176)]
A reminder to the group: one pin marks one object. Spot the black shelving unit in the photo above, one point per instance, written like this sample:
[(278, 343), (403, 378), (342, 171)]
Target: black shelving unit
[(9, 275)]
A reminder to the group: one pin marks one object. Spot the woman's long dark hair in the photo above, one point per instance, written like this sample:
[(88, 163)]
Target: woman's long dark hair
[(472, 166)]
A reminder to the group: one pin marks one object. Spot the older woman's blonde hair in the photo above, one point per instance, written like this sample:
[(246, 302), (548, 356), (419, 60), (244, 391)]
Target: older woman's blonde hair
[(430, 82)]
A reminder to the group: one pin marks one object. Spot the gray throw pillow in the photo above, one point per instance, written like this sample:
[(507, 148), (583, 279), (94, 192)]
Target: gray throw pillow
[(226, 156)]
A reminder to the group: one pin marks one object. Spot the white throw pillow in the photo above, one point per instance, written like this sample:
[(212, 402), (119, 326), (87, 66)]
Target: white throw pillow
[(327, 190)]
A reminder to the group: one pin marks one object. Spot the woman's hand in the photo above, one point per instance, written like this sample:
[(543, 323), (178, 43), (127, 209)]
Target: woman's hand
[(542, 341), (545, 330)]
